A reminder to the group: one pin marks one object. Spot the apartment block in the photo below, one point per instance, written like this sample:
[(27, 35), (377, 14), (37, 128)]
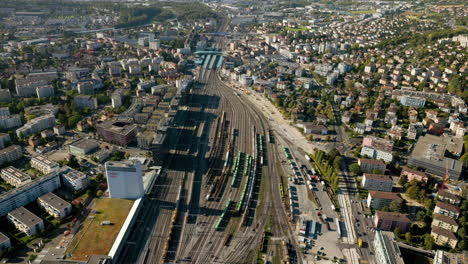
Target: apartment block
[(15, 177), (25, 221), (54, 205), (444, 237), (378, 200), (116, 132), (386, 248), (36, 125), (388, 221), (447, 209), (5, 242), (377, 148), (448, 197), (73, 179), (28, 192), (369, 165), (85, 101), (414, 175), (445, 222), (43, 164), (10, 121), (11, 153), (377, 182)]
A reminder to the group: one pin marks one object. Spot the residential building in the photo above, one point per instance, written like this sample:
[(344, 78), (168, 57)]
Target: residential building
[(145, 139), (28, 192), (412, 101), (43, 164), (414, 175), (124, 179), (73, 179), (85, 101), (444, 237), (36, 125), (315, 129), (4, 140), (377, 148), (386, 248), (5, 95), (447, 209), (429, 153), (445, 222), (25, 221), (83, 147), (372, 165), (388, 221), (59, 130), (11, 153), (5, 242), (10, 121), (444, 257), (116, 98), (54, 205), (449, 197), (377, 182), (15, 177), (45, 91), (379, 200), (116, 132)]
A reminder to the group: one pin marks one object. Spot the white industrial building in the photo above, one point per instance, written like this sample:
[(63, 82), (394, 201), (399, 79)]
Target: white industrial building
[(124, 179)]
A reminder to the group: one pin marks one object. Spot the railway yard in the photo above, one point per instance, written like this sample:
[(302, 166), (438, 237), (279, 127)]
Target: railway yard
[(225, 195)]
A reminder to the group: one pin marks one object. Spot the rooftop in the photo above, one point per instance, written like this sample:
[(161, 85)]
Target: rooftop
[(17, 174), (72, 173), (432, 149), (445, 219), (390, 216), (384, 195), (448, 195), (46, 161), (54, 201), (95, 239), (372, 161), (118, 127), (444, 232), (378, 177), (389, 247), (85, 144), (448, 206), (409, 170), (25, 217), (3, 238)]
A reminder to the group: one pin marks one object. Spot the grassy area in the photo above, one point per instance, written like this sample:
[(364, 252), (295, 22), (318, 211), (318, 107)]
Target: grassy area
[(363, 12), (300, 28), (94, 238)]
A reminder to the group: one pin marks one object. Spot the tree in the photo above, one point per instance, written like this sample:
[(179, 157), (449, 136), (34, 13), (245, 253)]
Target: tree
[(354, 168), (420, 215), (397, 232), (428, 242), (462, 232), (408, 236), (403, 180), (99, 193), (396, 206), (462, 245)]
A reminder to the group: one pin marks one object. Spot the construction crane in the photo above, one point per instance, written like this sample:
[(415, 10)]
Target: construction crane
[(446, 176)]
